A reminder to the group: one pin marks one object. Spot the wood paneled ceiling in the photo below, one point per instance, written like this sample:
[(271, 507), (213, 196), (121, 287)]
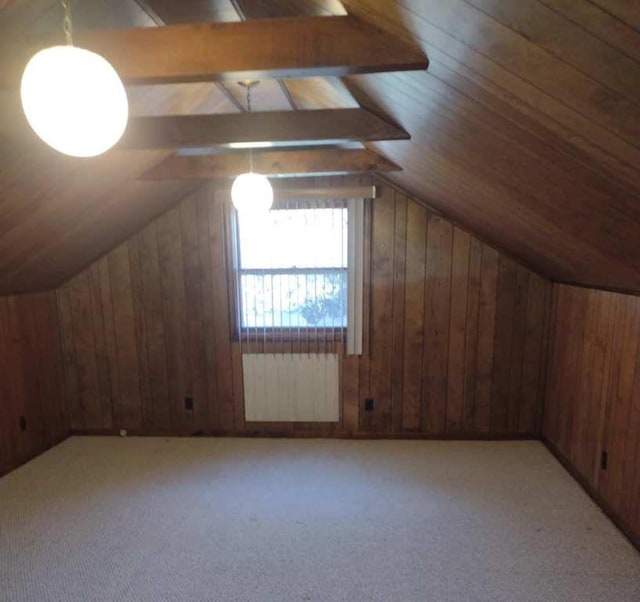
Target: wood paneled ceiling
[(525, 130)]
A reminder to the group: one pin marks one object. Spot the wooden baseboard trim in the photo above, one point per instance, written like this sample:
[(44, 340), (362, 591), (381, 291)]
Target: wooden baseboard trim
[(277, 432), (622, 526)]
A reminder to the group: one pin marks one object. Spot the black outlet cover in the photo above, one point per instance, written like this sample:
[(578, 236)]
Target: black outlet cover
[(604, 460), (188, 403), (23, 423), (368, 405)]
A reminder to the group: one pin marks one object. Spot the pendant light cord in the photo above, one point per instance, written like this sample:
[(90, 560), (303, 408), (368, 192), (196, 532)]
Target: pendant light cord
[(66, 22), (249, 85)]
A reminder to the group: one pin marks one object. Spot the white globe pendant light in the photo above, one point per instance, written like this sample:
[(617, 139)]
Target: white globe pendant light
[(73, 98), (251, 192)]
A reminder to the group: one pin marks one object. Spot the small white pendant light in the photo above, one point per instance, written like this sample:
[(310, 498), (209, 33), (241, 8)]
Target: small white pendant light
[(73, 98), (251, 192)]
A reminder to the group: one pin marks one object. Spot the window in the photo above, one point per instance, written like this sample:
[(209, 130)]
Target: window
[(295, 268)]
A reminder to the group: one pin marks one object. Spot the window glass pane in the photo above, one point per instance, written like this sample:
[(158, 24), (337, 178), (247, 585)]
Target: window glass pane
[(309, 299), (302, 238)]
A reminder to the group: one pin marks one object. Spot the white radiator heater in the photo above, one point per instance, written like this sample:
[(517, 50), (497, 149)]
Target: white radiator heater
[(291, 387)]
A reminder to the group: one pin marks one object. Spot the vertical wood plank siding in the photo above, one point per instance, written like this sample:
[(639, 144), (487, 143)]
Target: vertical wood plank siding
[(31, 381), (453, 345), (593, 396)]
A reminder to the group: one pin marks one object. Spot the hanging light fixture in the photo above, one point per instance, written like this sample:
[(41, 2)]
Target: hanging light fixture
[(73, 98), (251, 191)]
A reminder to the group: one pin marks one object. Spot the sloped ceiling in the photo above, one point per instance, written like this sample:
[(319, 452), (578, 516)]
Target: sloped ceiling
[(525, 130)]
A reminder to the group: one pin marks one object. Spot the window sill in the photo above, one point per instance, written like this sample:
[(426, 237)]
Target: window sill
[(294, 336)]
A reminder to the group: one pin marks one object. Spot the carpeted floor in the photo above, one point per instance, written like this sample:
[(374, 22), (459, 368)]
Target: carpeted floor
[(278, 520)]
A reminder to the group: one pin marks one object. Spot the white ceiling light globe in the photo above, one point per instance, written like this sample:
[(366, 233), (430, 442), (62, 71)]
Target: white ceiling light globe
[(74, 100), (252, 192)]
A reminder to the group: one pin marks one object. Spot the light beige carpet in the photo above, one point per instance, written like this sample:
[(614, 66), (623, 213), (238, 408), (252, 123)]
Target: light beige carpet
[(274, 520)]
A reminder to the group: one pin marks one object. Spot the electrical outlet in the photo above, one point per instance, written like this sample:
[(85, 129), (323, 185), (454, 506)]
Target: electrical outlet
[(23, 423), (604, 460), (188, 403), (368, 405)]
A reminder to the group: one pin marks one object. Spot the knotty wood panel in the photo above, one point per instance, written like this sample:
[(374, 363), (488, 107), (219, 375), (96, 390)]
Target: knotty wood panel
[(31, 386), (593, 395), (453, 348)]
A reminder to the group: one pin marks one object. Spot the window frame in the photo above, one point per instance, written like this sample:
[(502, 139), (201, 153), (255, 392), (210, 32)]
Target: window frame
[(259, 334)]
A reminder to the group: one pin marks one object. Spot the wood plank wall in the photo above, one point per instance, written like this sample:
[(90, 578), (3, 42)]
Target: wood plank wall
[(455, 345), (593, 396), (31, 387)]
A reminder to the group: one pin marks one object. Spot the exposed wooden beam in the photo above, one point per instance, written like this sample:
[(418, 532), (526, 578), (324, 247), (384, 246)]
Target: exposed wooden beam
[(319, 161), (264, 48), (326, 126)]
